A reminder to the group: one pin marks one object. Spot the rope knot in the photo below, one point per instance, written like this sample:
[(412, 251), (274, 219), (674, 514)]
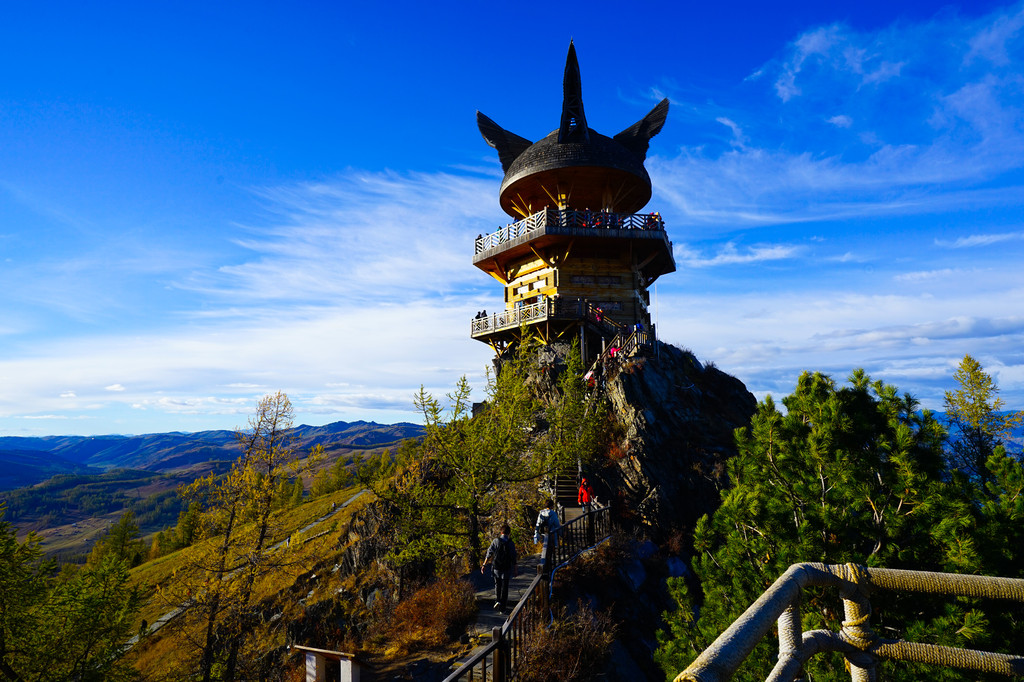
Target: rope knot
[(858, 632)]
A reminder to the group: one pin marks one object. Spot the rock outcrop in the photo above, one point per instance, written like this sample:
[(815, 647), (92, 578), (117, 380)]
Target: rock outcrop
[(675, 419), (679, 417)]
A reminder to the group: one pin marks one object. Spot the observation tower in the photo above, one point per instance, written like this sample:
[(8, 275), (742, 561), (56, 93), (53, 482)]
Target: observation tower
[(580, 258)]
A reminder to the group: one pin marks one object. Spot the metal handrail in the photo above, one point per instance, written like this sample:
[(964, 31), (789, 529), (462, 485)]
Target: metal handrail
[(577, 536), (571, 220), (502, 656), (625, 346), (477, 667), (513, 317), (548, 308), (780, 605)]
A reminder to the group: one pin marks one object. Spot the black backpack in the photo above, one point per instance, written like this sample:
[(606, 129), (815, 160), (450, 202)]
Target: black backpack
[(503, 555)]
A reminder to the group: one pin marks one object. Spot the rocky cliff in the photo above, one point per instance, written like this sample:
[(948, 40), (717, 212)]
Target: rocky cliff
[(674, 421)]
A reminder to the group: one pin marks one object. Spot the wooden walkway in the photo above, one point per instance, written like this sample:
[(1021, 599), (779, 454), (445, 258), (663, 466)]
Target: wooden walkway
[(487, 617)]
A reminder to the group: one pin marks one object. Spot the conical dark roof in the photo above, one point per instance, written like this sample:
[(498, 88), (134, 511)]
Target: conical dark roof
[(575, 166)]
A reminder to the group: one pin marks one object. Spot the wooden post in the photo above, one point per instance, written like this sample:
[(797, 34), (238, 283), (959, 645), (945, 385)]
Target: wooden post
[(316, 666), (544, 588), (500, 656)]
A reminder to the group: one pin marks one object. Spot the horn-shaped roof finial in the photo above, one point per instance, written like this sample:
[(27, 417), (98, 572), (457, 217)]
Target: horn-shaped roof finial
[(574, 166), (574, 122)]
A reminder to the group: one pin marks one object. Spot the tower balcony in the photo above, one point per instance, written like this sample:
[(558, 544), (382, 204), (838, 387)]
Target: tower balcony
[(557, 318), (552, 222), (546, 310)]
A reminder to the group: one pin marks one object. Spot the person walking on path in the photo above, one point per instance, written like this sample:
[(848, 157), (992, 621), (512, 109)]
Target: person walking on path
[(545, 530), (502, 557)]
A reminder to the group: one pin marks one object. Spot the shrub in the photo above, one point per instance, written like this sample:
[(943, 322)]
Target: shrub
[(431, 616), (575, 647)]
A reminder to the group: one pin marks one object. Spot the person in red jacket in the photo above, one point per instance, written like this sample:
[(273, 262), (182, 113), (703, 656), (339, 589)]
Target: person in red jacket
[(585, 498)]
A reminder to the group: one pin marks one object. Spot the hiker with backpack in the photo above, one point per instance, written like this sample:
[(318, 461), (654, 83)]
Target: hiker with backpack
[(502, 557), (545, 530)]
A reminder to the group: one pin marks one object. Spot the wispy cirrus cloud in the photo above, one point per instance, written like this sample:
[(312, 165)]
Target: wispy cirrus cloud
[(387, 237), (345, 295), (928, 275), (980, 240), (730, 254), (823, 140)]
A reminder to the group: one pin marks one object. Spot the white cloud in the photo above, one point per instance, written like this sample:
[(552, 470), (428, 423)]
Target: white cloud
[(356, 292), (980, 240), (991, 41), (813, 44), (729, 254), (767, 337), (385, 237), (57, 417), (738, 139), (933, 130), (927, 275)]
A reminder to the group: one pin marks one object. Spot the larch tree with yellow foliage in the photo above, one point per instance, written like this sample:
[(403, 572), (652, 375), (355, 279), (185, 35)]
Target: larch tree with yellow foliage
[(215, 586)]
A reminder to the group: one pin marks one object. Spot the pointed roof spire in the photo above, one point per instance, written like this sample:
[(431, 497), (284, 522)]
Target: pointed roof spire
[(578, 165), (574, 122)]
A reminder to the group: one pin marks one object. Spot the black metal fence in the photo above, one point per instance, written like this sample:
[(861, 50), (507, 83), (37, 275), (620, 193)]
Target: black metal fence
[(579, 535), (500, 660)]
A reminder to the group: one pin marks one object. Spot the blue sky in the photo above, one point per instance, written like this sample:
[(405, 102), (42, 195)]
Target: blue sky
[(201, 203)]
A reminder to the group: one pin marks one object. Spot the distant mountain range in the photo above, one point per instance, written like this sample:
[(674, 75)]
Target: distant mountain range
[(27, 461)]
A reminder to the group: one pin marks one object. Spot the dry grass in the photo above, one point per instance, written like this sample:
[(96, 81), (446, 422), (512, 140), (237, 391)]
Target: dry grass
[(431, 617), (575, 647), (160, 651)]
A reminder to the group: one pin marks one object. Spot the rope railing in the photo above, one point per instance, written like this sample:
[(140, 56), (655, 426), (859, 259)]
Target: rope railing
[(556, 220), (780, 606), (500, 660)]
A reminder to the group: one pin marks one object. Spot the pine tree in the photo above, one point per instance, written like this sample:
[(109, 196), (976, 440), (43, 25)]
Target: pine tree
[(443, 490), (578, 418), (341, 477), (974, 412), (70, 627), (851, 474), (298, 491)]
